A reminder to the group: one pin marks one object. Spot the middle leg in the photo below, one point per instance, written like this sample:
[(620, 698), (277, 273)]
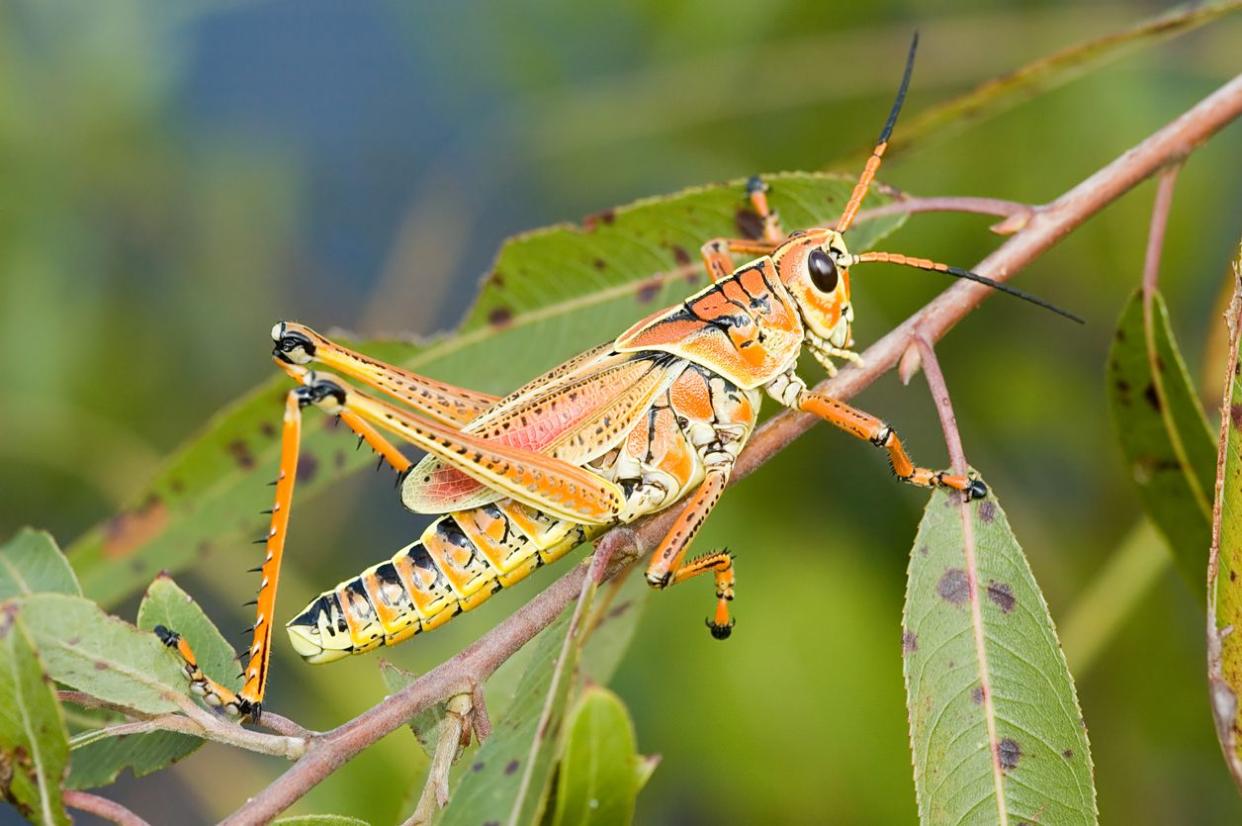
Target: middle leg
[(666, 566)]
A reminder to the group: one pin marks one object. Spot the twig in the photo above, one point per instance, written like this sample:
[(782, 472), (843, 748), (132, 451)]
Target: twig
[(1047, 226), (1159, 222), (449, 743), (101, 807), (1016, 214), (944, 407)]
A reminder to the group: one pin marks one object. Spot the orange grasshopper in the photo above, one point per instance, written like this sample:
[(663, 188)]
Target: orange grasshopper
[(631, 427)]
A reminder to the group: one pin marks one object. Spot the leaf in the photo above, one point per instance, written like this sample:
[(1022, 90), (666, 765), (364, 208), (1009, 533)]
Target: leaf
[(510, 772), (611, 624), (30, 563), (1050, 72), (104, 656), (319, 820), (995, 726), (598, 779), (426, 723), (100, 762), (1224, 585), (167, 605), (1163, 432), (34, 744), (551, 293)]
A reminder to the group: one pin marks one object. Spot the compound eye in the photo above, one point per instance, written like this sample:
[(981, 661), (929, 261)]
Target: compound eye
[(823, 271)]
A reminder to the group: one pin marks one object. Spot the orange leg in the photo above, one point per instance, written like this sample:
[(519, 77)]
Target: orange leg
[(297, 344), (666, 566), (249, 701), (865, 426)]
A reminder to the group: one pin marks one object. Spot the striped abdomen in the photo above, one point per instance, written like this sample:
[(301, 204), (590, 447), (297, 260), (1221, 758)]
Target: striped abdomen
[(457, 564)]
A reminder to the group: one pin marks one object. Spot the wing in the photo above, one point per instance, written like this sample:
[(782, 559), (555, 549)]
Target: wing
[(575, 413)]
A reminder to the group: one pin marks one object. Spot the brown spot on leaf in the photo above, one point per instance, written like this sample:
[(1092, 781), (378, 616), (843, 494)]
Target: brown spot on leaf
[(308, 467), (496, 279), (909, 642), (500, 316), (1121, 334), (130, 529), (987, 511), (511, 767), (477, 766), (177, 486), (924, 550), (1068, 754), (954, 586), (592, 221), (599, 264), (338, 459), (1002, 595), (619, 609), (748, 223), (100, 665), (1152, 397), (268, 429), (680, 255), (1235, 414), (1008, 753), (976, 695), (241, 454), (648, 290), (203, 549)]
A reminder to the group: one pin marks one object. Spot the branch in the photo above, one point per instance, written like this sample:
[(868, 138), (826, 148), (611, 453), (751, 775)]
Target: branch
[(1047, 225), (1016, 214), (101, 807)]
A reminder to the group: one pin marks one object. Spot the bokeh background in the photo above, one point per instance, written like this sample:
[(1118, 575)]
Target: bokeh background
[(175, 177)]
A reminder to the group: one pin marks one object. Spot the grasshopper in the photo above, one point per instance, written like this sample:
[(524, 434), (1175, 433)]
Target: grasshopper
[(650, 418)]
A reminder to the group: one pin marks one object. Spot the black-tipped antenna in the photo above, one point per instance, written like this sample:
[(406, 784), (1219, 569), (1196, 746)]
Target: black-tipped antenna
[(957, 272), (887, 131), (873, 163)]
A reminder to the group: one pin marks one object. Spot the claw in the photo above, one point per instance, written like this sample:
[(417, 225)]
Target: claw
[(720, 632)]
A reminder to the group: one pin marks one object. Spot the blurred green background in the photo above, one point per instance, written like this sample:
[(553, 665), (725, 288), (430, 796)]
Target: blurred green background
[(178, 176)]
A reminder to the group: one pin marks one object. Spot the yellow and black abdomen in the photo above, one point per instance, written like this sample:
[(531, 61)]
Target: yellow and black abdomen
[(457, 564)]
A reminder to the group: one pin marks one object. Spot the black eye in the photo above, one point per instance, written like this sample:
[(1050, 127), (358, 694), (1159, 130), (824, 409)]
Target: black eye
[(823, 271)]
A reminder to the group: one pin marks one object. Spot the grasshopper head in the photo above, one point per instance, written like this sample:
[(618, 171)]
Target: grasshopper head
[(814, 266)]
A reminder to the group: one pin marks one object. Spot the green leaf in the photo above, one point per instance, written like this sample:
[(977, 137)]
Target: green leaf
[(1164, 432), (167, 605), (507, 779), (319, 820), (551, 293), (34, 744), (104, 656), (1050, 72), (612, 622), (1224, 586), (995, 725), (426, 723), (100, 762), (30, 563), (598, 779)]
